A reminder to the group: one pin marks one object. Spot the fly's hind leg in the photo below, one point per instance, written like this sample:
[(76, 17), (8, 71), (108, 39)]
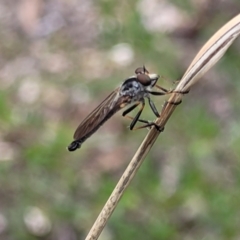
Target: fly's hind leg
[(136, 119), (148, 124)]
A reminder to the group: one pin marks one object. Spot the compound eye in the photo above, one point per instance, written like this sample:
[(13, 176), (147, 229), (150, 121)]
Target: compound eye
[(144, 79), (139, 70)]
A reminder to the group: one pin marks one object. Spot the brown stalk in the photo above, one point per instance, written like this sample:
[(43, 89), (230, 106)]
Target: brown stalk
[(209, 54)]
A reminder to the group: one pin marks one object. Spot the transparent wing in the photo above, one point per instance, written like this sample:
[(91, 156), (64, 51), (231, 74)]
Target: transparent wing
[(100, 114)]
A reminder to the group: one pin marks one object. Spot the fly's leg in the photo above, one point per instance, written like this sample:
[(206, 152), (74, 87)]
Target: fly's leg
[(130, 109), (139, 120), (148, 124), (124, 114), (153, 107), (161, 88), (136, 118)]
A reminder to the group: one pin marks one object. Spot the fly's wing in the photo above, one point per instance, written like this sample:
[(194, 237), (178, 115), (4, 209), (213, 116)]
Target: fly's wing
[(99, 115)]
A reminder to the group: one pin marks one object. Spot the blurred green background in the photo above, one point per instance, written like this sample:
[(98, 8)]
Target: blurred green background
[(58, 60)]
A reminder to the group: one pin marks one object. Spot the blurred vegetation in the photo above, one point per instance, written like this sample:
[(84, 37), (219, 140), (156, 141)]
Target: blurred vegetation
[(58, 60)]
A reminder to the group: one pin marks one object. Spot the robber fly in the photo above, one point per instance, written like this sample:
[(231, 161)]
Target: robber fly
[(133, 91)]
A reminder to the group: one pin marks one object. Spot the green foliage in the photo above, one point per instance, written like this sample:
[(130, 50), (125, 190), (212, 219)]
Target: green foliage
[(55, 71)]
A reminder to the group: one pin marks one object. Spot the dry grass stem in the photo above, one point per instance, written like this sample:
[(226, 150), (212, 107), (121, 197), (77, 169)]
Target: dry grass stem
[(210, 53)]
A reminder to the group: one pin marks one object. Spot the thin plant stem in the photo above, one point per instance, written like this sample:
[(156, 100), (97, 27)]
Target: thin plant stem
[(209, 54)]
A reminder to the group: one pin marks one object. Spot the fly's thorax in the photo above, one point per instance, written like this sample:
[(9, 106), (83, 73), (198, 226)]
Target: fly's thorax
[(131, 87)]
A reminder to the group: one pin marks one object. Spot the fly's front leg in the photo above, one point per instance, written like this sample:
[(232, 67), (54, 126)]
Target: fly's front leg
[(167, 92), (161, 88), (180, 92)]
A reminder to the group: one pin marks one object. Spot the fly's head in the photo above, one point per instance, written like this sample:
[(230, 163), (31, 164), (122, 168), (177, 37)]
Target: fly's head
[(135, 87), (145, 78)]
